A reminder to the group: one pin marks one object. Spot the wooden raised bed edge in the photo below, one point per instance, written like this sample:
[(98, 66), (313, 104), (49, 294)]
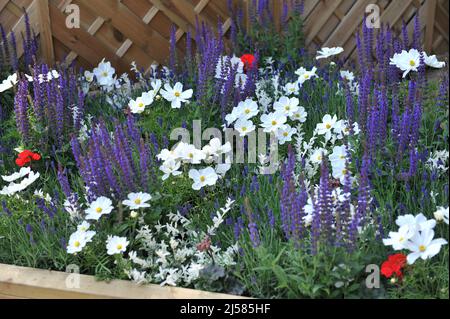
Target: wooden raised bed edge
[(24, 282)]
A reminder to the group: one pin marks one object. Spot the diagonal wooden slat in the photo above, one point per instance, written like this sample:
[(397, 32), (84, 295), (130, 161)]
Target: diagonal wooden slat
[(323, 13), (127, 30)]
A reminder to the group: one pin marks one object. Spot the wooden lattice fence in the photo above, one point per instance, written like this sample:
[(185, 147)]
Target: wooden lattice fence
[(123, 31)]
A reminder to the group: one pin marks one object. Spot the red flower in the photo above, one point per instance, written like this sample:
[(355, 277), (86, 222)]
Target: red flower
[(205, 244), (393, 266), (26, 157), (249, 61), (35, 157)]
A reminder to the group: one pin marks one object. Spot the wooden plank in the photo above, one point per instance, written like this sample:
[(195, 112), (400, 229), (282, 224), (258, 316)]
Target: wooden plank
[(3, 4), (45, 34), (81, 42), (351, 22), (175, 18), (36, 283), (316, 20), (442, 23), (130, 26), (150, 15)]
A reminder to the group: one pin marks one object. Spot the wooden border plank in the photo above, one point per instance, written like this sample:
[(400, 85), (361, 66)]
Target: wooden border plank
[(26, 282)]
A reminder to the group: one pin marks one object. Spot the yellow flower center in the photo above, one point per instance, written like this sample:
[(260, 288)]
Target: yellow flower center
[(422, 248), (306, 76), (177, 94), (77, 244), (99, 210), (137, 201), (412, 63), (191, 155), (202, 178), (401, 239), (247, 111), (105, 74), (141, 104), (328, 126), (274, 123), (285, 134), (287, 107), (244, 129), (119, 246)]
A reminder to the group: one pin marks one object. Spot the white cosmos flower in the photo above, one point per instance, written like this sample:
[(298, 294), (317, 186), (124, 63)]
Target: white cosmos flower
[(215, 148), (189, 153), (104, 73), (147, 97), (339, 172), (327, 52), (78, 241), (424, 246), (300, 115), (137, 200), (286, 106), (441, 214), (233, 116), (406, 61), (347, 75), (327, 125), (398, 240), (156, 86), (22, 172), (273, 121), (291, 88), (247, 109), (176, 95), (170, 167), (419, 222), (433, 62), (284, 134), (13, 188), (101, 206), (88, 76), (137, 106), (116, 245), (317, 155), (337, 158), (244, 126), (304, 75), (83, 227), (167, 155), (223, 168), (9, 82), (203, 177)]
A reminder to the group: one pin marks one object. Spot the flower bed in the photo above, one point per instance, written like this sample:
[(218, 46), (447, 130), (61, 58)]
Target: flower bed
[(267, 172)]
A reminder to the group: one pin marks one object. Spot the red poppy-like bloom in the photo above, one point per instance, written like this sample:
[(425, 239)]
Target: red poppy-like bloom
[(26, 157), (393, 266), (249, 61)]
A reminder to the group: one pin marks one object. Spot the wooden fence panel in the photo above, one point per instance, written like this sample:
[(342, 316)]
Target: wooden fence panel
[(139, 30)]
